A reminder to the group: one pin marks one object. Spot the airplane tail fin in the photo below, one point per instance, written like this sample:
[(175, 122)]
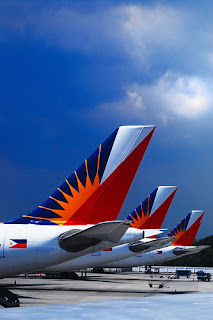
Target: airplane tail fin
[(151, 213), (187, 229), (96, 191)]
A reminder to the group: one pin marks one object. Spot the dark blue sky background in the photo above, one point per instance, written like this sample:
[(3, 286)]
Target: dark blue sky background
[(73, 71)]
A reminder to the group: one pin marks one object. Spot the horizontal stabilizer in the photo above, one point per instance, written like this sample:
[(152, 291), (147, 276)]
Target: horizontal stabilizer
[(146, 245), (187, 250), (76, 240), (152, 232)]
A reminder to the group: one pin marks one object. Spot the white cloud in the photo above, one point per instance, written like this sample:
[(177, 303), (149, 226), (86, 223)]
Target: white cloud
[(139, 31), (151, 28), (172, 96), (156, 35), (187, 97), (136, 100)]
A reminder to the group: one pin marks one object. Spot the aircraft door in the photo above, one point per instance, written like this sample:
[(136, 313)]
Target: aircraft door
[(1, 244)]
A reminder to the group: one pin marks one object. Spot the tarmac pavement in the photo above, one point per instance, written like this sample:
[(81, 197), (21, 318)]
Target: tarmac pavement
[(37, 290)]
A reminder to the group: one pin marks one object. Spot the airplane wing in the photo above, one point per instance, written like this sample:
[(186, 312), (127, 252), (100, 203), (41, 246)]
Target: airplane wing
[(76, 240), (146, 245)]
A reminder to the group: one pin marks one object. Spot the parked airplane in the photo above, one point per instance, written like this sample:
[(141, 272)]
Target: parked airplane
[(49, 237), (149, 214), (184, 234)]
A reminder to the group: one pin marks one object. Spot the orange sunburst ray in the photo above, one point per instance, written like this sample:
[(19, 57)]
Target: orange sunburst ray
[(139, 221), (177, 234), (78, 197)]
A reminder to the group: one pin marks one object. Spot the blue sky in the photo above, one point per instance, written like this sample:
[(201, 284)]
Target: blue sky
[(73, 71)]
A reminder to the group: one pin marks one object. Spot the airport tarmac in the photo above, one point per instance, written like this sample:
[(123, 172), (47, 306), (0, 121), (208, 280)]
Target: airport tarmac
[(37, 290)]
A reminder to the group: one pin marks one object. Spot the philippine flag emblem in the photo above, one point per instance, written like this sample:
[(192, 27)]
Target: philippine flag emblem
[(18, 244), (159, 252)]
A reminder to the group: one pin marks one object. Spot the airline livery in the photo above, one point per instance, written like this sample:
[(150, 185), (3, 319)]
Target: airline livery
[(72, 222), (96, 191), (148, 215), (183, 235)]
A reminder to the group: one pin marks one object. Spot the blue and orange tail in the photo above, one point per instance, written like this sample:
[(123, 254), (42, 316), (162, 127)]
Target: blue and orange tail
[(185, 232), (151, 213), (96, 191)]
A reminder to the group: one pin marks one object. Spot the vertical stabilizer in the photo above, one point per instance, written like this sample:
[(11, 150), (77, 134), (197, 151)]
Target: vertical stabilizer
[(187, 229), (96, 191), (151, 213)]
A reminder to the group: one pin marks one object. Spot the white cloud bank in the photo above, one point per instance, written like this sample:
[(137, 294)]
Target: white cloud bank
[(142, 32), (169, 97), (148, 29), (155, 35)]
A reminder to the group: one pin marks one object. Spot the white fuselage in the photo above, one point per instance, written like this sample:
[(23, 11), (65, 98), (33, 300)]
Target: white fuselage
[(151, 258), (98, 258), (42, 249)]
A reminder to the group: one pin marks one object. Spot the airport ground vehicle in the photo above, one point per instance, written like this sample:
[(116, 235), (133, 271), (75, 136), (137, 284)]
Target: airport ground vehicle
[(183, 273), (203, 276)]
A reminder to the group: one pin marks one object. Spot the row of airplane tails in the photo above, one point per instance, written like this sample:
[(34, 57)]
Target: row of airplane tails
[(76, 227)]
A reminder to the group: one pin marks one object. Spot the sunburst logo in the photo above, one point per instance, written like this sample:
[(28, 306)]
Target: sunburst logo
[(179, 230), (76, 198), (177, 233), (139, 215)]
